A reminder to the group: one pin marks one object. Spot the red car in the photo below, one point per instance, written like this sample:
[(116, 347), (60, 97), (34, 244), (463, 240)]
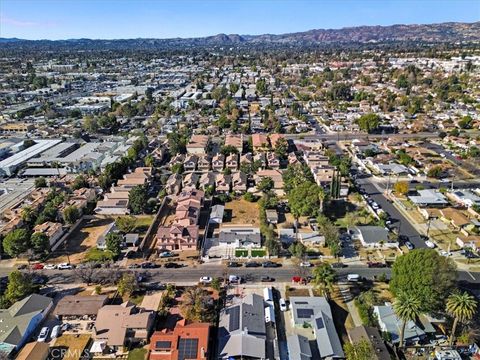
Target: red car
[(37, 266)]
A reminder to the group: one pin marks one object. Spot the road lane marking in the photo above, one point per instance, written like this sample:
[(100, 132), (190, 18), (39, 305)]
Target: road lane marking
[(473, 277)]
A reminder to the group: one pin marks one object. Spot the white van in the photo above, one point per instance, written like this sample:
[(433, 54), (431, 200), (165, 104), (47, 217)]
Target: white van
[(353, 277)]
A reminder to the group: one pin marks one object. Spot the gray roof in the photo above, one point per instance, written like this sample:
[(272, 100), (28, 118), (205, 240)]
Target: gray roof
[(217, 211), (299, 348), (244, 235), (389, 322), (15, 321), (316, 311), (242, 329), (373, 234), (428, 197), (373, 336), (286, 235)]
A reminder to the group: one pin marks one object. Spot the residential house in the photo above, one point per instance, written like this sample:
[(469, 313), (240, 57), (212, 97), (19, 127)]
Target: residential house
[(173, 184), (191, 180), (316, 312), (275, 175), (190, 163), (470, 241), (232, 162), (428, 198), (372, 236), (323, 175), (218, 162), (240, 236), (455, 217), (203, 163), (207, 179), (19, 322), (222, 183), (260, 142), (246, 158), (77, 306), (34, 351), (236, 141), (389, 322), (186, 341), (260, 159), (273, 160), (198, 144), (52, 230), (242, 331), (177, 237), (272, 216), (274, 139), (239, 182), (465, 198), (119, 325), (292, 159), (112, 207), (216, 214), (372, 336), (311, 238), (102, 239)]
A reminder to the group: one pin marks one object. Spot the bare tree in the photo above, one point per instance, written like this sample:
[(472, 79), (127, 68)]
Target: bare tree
[(88, 273)]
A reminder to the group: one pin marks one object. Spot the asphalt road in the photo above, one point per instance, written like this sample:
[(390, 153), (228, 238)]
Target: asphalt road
[(253, 275), (350, 136), (403, 224)]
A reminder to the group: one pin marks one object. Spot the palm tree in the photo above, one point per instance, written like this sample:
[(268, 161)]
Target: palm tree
[(462, 307), (407, 309), (324, 277), (321, 198)]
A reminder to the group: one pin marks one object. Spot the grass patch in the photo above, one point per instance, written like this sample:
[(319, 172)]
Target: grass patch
[(136, 299), (142, 223), (258, 253), (137, 354), (98, 255), (241, 253)]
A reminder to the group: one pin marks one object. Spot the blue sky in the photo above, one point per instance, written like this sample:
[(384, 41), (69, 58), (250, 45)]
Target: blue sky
[(110, 19)]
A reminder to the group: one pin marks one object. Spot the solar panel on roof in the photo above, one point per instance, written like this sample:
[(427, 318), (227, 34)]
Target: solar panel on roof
[(320, 323), (187, 349), (163, 345), (234, 320), (304, 313)]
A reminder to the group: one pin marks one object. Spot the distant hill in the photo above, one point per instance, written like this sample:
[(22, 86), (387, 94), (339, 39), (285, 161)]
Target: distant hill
[(431, 33)]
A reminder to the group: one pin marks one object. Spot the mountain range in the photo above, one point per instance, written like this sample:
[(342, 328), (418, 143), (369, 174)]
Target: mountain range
[(451, 32)]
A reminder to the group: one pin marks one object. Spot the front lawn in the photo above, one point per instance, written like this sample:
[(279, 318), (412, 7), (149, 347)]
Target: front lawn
[(137, 354), (98, 255), (258, 253), (241, 253)]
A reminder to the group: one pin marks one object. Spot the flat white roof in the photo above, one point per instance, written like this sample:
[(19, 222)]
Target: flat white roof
[(39, 147)]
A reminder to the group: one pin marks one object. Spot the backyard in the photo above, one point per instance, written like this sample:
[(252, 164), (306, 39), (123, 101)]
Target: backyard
[(240, 211)]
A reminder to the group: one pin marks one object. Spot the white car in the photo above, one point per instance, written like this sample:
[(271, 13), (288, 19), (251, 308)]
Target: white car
[(445, 253), (65, 266), (50, 267), (306, 264), (430, 244), (56, 331), (42, 337), (283, 305), (205, 280)]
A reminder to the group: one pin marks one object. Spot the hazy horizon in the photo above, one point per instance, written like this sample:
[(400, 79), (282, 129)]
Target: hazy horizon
[(107, 19)]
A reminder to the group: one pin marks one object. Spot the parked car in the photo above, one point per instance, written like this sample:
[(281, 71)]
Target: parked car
[(409, 245), (42, 337), (283, 305), (252, 264), (22, 267), (149, 265), (37, 266), (430, 244), (234, 279), (166, 254), (134, 266), (206, 280), (353, 277), (266, 279), (65, 266), (305, 264), (50, 267), (56, 331), (445, 253), (271, 264), (233, 264), (372, 264), (338, 265), (172, 265)]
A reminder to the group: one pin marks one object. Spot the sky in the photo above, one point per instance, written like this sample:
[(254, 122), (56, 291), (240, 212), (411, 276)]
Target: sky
[(115, 19)]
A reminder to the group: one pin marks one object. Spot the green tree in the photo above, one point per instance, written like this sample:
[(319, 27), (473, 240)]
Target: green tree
[(137, 199), (80, 182), (425, 275), (324, 277), (281, 148), (295, 175), (368, 122), (407, 308), (228, 149), (127, 284), (266, 184), (40, 182), (462, 307), (71, 214), (90, 124), (304, 200), (40, 243), (435, 172), (125, 224), (19, 286), (361, 350), (114, 243), (297, 249), (261, 86), (149, 160), (16, 242)]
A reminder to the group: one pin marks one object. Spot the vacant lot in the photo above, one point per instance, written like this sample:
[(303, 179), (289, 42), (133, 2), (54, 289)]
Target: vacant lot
[(241, 212), (82, 239)]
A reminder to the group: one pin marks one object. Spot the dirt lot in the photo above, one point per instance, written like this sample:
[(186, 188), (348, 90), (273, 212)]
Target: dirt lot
[(82, 239), (241, 212)]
